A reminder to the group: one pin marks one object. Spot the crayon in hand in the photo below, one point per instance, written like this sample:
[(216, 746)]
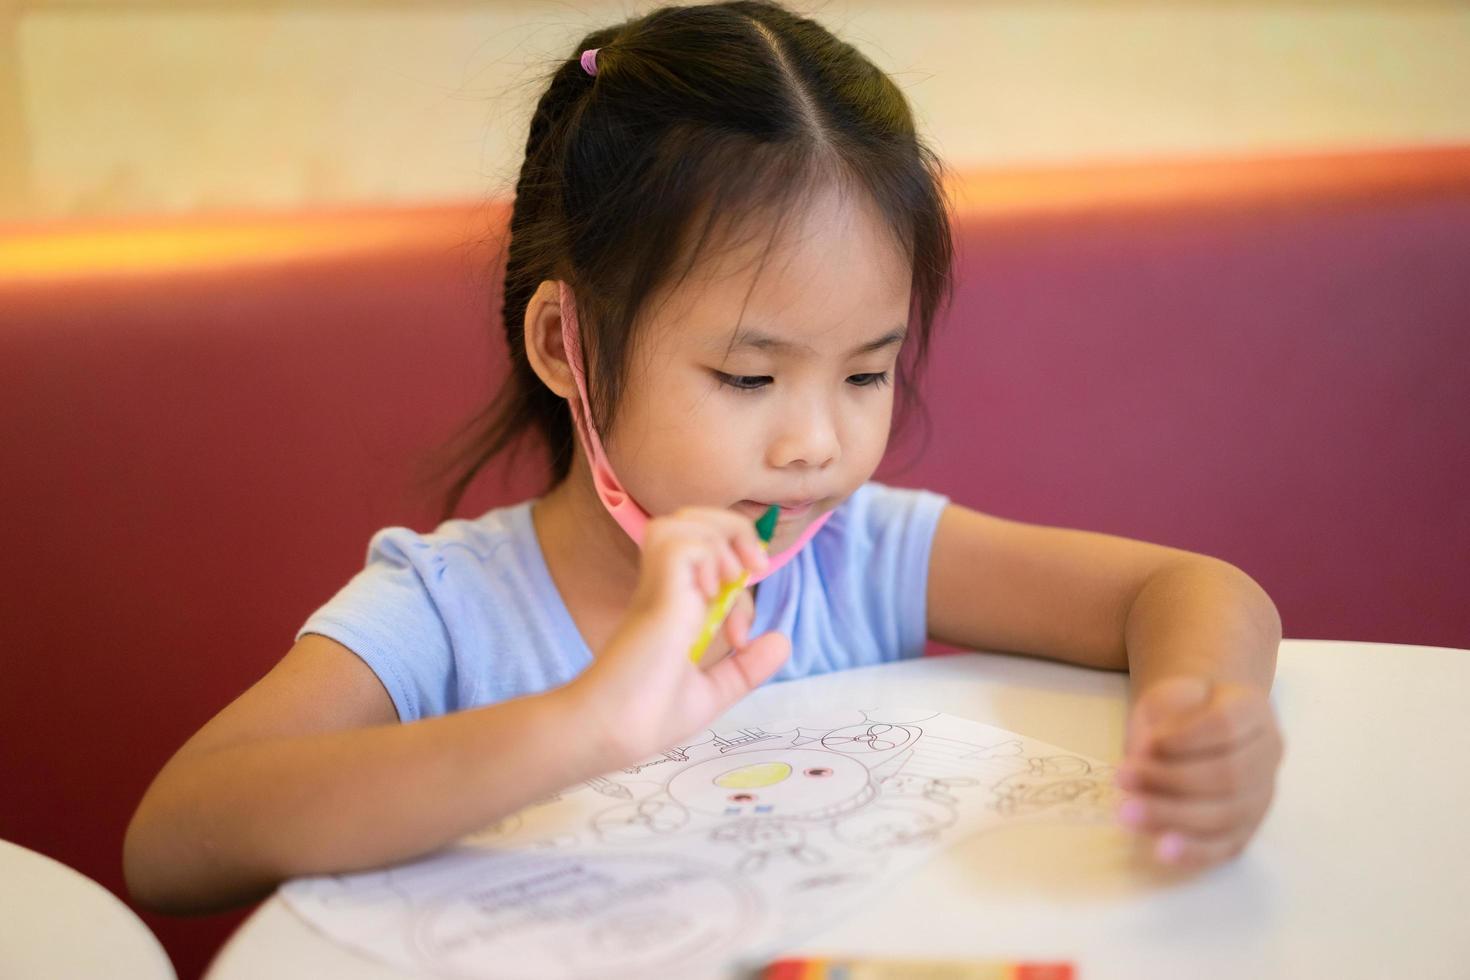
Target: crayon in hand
[(720, 607)]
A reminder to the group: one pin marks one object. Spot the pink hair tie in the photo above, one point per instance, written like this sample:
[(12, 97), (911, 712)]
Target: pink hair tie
[(589, 60)]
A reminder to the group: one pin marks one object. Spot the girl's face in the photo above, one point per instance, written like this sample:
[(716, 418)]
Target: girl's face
[(756, 386)]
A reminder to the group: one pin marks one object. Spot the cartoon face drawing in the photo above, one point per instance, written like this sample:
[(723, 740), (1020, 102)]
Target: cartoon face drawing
[(1064, 783), (795, 784)]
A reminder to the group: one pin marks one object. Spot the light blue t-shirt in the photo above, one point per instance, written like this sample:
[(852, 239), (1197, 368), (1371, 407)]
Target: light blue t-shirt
[(468, 615)]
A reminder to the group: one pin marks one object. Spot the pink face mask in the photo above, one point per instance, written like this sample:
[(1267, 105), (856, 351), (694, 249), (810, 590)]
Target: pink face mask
[(623, 508)]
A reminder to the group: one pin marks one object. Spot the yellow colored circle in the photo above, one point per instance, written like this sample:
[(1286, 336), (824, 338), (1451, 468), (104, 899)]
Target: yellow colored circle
[(754, 776)]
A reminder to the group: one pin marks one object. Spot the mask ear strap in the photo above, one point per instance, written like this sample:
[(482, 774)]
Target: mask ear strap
[(619, 503)]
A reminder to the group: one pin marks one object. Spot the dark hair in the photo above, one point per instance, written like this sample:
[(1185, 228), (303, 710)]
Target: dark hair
[(697, 115)]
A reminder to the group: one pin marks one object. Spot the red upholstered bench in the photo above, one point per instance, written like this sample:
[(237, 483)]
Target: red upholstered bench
[(203, 421)]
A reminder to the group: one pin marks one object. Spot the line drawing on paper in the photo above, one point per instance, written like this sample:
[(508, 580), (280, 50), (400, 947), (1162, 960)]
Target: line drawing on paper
[(740, 841)]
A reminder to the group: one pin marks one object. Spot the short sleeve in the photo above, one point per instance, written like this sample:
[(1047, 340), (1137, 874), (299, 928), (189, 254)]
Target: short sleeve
[(388, 616), (875, 567), (900, 524)]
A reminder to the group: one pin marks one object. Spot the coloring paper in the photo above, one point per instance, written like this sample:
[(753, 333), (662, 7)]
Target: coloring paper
[(714, 854)]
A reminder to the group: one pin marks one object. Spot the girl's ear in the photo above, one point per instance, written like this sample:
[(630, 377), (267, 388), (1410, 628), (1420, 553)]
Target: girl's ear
[(544, 348)]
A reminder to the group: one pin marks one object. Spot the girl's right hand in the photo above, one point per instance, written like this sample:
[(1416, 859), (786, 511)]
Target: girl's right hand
[(642, 688)]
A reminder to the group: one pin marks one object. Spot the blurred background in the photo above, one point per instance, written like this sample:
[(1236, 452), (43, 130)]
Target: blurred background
[(1213, 290), (117, 107)]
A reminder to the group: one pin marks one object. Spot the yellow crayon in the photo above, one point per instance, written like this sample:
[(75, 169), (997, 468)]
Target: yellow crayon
[(720, 608)]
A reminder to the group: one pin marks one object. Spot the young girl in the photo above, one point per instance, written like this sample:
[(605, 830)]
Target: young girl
[(725, 235)]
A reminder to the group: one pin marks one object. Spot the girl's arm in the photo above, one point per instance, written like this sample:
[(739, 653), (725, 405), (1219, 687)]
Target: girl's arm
[(1198, 636), (309, 771), (1097, 600)]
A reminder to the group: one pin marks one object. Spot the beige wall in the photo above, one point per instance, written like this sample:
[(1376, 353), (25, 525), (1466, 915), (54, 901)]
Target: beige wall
[(130, 106)]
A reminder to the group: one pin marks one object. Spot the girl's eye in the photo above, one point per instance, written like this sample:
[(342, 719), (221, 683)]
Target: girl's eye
[(755, 382), (744, 382), (876, 380)]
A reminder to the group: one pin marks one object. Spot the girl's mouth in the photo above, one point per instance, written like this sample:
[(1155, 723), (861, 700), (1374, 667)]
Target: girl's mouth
[(790, 509)]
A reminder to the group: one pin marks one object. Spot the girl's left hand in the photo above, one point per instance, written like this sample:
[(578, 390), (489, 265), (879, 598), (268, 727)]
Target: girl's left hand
[(1199, 768)]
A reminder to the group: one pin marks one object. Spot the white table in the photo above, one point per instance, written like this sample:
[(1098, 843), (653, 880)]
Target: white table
[(1362, 868), (56, 922)]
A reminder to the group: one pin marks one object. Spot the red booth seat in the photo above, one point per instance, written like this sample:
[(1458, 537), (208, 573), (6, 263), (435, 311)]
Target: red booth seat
[(203, 422)]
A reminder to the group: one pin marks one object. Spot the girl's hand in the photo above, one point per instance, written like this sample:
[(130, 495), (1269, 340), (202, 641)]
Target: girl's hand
[(644, 691), (1199, 767)]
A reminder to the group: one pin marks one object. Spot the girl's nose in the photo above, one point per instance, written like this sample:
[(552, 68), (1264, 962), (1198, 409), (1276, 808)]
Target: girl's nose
[(808, 438)]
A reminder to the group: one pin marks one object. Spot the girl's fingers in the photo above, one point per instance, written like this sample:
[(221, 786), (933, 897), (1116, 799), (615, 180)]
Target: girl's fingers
[(737, 624), (737, 546), (1222, 774), (1188, 851), (695, 541), (1202, 806), (727, 565), (731, 565), (1232, 716), (1158, 814), (752, 556), (670, 560), (708, 572), (743, 671), (1161, 704), (736, 530)]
